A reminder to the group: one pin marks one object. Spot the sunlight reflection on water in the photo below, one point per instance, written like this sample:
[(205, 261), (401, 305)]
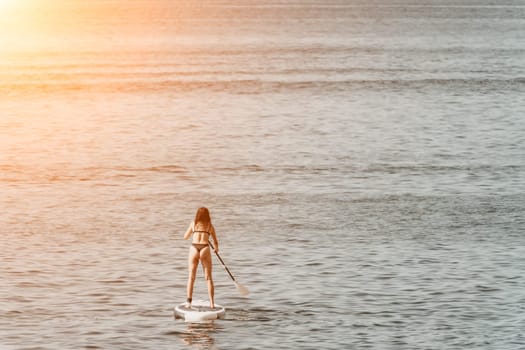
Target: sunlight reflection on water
[(365, 177)]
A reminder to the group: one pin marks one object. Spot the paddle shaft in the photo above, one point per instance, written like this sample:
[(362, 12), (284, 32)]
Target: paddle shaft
[(222, 262)]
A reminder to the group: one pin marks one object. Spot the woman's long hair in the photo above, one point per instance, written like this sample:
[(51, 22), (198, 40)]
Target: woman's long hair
[(202, 218)]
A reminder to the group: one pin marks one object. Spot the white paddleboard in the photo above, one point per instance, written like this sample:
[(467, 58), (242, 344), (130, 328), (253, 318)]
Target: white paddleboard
[(199, 311)]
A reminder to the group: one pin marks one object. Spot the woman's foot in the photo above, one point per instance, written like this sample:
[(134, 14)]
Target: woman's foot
[(188, 303)]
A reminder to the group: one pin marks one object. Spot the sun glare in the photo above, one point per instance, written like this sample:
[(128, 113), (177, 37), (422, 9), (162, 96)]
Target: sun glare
[(7, 7), (10, 7), (6, 3)]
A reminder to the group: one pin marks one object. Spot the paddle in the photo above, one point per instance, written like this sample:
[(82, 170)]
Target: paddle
[(242, 289)]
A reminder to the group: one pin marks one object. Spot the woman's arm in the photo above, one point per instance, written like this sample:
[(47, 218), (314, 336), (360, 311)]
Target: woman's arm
[(215, 241), (189, 231)]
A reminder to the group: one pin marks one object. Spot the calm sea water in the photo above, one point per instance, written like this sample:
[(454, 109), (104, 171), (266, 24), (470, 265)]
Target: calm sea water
[(363, 163)]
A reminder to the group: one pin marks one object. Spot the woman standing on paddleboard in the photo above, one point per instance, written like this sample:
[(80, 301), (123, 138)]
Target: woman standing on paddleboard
[(201, 229)]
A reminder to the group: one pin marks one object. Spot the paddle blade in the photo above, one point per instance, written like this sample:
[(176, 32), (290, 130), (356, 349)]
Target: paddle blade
[(242, 289)]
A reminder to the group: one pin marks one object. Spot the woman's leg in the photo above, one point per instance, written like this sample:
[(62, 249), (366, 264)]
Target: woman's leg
[(205, 257), (193, 263)]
